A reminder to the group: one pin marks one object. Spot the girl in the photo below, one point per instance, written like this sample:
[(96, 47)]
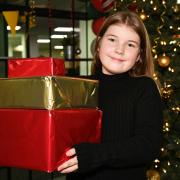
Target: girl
[(131, 105)]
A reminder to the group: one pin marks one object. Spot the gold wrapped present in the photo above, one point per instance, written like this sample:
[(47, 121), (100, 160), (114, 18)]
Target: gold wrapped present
[(49, 92)]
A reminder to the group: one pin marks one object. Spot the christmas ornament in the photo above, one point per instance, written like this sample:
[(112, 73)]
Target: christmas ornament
[(164, 61), (133, 6), (162, 18), (103, 5), (96, 25), (176, 8), (153, 175), (166, 91), (154, 50), (142, 15)]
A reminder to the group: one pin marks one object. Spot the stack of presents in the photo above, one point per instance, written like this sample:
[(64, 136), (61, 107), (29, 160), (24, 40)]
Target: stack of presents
[(43, 113)]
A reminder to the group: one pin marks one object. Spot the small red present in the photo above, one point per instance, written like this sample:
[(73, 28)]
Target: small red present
[(28, 67), (38, 139)]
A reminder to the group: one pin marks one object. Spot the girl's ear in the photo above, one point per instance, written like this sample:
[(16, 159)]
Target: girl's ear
[(99, 43), (138, 56)]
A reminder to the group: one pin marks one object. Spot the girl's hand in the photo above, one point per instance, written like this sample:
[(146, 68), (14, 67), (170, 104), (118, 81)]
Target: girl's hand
[(70, 165)]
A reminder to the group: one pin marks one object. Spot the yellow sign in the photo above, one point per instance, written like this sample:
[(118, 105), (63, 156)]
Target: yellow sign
[(11, 19)]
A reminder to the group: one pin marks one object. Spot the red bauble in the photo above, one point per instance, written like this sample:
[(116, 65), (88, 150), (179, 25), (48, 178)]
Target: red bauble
[(103, 5), (96, 25), (133, 7)]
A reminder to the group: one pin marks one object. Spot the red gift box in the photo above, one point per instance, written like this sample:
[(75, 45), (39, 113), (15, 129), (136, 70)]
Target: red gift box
[(28, 67), (38, 139)]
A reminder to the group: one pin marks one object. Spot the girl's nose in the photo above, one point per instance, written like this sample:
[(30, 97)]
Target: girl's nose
[(119, 49)]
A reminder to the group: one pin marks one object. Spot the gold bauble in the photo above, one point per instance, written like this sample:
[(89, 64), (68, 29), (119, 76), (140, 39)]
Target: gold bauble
[(176, 8), (143, 16), (153, 175), (166, 91), (164, 61), (154, 51)]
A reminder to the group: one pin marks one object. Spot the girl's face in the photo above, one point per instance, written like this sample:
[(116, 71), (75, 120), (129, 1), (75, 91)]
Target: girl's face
[(119, 49)]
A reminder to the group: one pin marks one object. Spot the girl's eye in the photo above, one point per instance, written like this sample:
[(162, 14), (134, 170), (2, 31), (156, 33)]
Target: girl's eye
[(111, 39), (131, 45)]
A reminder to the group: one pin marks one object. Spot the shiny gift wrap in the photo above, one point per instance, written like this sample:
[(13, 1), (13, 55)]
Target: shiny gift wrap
[(28, 67), (48, 92), (38, 139)]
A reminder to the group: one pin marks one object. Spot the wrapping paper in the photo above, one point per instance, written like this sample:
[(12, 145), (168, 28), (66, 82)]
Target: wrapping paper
[(48, 92), (38, 139), (28, 67)]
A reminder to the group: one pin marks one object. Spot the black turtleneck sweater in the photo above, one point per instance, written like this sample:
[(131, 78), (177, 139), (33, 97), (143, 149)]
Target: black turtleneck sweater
[(131, 131)]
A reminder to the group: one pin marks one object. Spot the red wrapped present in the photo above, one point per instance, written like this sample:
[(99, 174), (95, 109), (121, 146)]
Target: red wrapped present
[(38, 139), (28, 67)]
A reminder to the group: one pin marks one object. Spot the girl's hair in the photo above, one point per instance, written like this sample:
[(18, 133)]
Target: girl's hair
[(145, 64)]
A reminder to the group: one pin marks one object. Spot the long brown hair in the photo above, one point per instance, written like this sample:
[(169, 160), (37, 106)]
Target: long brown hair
[(145, 64)]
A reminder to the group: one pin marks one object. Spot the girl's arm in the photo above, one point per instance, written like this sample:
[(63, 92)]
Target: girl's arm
[(140, 149)]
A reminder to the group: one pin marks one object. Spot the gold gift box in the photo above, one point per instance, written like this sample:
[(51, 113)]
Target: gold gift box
[(49, 92)]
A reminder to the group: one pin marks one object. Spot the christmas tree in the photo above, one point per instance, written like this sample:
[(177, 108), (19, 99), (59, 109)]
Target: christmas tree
[(161, 18)]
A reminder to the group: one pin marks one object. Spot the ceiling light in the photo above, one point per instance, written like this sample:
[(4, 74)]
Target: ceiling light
[(43, 41), (58, 36), (16, 28), (58, 47), (66, 29)]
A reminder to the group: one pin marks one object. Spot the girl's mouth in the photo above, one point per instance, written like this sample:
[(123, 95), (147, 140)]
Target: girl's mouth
[(118, 59)]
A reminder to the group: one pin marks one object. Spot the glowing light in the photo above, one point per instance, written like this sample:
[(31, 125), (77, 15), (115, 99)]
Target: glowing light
[(16, 28), (154, 8), (66, 29), (173, 42), (170, 69), (163, 43), (58, 36), (164, 170), (156, 161), (58, 47), (43, 41)]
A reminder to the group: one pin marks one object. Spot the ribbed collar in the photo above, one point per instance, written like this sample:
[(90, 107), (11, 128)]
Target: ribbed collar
[(115, 77)]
